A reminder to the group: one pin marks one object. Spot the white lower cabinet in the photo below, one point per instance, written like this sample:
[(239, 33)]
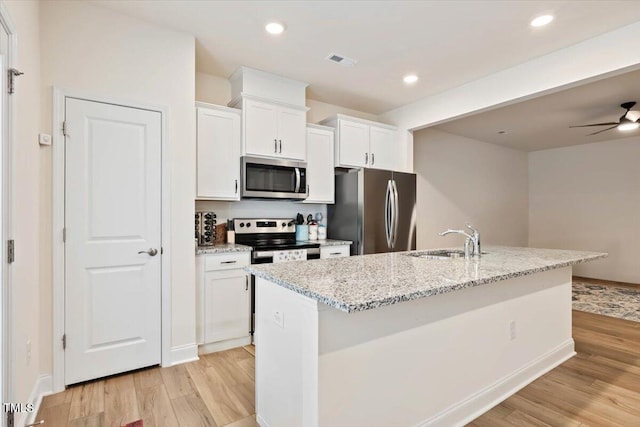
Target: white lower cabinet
[(334, 251), (224, 293)]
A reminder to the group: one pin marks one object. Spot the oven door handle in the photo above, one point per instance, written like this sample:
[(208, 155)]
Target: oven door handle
[(297, 190), (262, 254)]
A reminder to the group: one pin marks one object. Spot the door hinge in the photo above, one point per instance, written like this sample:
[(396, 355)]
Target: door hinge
[(64, 235), (64, 341), (10, 420), (13, 73), (64, 128), (11, 251), (161, 250)]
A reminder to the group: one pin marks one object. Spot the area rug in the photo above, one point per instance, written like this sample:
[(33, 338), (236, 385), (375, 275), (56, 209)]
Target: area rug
[(623, 303), (134, 424)]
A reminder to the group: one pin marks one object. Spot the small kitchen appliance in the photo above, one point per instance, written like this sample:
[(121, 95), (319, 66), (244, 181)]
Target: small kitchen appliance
[(273, 179), (205, 228)]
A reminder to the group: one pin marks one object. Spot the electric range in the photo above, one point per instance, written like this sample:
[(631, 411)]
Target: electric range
[(273, 240)]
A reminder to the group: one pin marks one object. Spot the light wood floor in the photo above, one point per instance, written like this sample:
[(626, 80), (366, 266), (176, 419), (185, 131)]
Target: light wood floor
[(216, 391), (598, 387)]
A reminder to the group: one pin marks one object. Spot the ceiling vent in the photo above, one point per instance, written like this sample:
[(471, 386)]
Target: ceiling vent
[(342, 60)]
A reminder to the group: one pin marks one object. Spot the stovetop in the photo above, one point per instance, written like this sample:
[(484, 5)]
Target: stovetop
[(269, 234)]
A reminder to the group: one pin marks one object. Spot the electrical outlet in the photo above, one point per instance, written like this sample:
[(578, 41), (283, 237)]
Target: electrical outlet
[(512, 330), (278, 318), (28, 352)]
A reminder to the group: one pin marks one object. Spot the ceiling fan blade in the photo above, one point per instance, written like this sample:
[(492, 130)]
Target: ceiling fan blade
[(603, 130), (596, 124), (633, 115)]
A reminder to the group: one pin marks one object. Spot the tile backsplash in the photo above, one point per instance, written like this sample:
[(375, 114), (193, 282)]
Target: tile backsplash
[(260, 208)]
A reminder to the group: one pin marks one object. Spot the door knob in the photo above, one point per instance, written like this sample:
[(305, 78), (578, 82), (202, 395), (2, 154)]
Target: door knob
[(150, 252)]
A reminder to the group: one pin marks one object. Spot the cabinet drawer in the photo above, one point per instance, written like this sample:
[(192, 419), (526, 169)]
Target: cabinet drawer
[(334, 252), (226, 261)]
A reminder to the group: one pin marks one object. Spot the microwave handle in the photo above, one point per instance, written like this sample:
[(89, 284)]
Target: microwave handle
[(297, 180)]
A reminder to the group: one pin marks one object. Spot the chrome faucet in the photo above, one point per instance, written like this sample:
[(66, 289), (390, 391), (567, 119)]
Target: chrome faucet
[(471, 239)]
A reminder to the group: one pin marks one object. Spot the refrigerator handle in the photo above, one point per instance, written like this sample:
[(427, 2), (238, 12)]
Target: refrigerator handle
[(387, 214), (396, 216)]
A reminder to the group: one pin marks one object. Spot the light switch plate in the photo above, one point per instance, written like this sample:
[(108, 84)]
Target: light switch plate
[(44, 139)]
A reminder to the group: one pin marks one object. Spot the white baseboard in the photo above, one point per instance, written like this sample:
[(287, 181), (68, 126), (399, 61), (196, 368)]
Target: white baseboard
[(223, 345), (183, 354), (261, 422), (42, 387), (471, 408)]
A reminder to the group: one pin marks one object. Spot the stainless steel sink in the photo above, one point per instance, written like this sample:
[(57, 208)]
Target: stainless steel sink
[(439, 254)]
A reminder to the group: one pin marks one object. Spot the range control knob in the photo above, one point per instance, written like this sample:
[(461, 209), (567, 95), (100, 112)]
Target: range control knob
[(248, 224), (284, 224), (290, 224), (241, 224)]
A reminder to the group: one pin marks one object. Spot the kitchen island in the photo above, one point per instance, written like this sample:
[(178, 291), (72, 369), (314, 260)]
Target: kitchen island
[(400, 340)]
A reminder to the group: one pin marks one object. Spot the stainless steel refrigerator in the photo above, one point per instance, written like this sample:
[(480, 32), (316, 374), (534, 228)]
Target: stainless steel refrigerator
[(375, 209)]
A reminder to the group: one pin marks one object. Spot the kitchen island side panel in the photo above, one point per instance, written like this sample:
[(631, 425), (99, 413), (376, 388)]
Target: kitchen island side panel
[(441, 360), (286, 340)]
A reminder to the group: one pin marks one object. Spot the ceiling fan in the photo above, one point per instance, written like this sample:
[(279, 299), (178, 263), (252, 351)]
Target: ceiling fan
[(630, 120)]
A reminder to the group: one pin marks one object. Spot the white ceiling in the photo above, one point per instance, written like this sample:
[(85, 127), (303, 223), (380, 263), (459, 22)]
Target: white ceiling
[(543, 122), (447, 43)]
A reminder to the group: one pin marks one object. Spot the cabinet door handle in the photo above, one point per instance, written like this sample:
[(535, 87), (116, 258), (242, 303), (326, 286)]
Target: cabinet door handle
[(228, 262), (275, 145), (335, 253), (308, 189), (246, 283), (373, 159), (280, 146), (366, 158), (236, 186)]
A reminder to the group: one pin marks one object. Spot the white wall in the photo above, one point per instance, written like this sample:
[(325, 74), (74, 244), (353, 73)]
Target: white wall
[(212, 89), (595, 58), (587, 197), (217, 90), (464, 180), (319, 111), (95, 50), (27, 281)]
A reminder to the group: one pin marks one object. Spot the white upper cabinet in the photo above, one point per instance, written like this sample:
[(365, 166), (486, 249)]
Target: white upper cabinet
[(260, 128), (354, 144), (218, 152), (363, 143), (320, 178), (292, 141), (274, 115), (382, 148), (272, 130)]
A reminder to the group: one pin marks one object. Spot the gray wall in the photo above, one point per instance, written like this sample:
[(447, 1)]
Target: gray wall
[(464, 180), (588, 197)]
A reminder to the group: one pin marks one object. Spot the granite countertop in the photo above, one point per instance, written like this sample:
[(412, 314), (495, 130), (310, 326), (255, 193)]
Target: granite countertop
[(361, 283), (222, 248)]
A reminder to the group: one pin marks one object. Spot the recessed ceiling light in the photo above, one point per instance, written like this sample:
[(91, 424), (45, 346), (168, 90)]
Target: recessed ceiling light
[(410, 79), (274, 28), (541, 20)]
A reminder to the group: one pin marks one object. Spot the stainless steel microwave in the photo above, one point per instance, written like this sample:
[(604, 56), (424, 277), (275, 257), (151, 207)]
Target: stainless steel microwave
[(273, 179)]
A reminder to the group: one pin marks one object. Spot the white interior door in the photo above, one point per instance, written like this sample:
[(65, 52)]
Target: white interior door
[(113, 236)]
